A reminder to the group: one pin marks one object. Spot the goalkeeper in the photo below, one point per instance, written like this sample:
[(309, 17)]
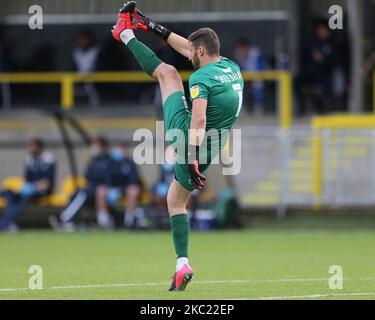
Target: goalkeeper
[(216, 89)]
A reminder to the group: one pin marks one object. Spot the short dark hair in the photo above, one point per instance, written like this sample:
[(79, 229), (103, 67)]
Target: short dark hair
[(38, 142), (102, 141), (86, 33), (207, 38), (243, 42)]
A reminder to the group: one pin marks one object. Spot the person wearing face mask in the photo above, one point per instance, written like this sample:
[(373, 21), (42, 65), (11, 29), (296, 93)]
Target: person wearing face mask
[(39, 180), (124, 180), (167, 175), (97, 177)]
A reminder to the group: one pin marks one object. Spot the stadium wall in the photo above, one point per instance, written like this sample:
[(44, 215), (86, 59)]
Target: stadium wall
[(110, 6)]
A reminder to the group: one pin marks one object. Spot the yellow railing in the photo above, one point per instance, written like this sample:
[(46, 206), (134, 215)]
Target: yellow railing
[(332, 122), (344, 121), (341, 121), (317, 167), (285, 95), (67, 81)]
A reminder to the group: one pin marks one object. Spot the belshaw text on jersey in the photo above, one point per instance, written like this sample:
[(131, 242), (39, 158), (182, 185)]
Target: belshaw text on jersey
[(230, 77)]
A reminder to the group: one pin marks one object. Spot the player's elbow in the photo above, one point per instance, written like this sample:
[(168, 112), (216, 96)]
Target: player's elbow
[(200, 122)]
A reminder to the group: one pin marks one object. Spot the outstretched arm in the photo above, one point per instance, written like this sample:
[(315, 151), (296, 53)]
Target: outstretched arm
[(180, 44), (196, 138), (198, 122)]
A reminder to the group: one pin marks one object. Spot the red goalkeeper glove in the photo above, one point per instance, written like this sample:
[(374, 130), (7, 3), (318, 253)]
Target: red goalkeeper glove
[(197, 179)]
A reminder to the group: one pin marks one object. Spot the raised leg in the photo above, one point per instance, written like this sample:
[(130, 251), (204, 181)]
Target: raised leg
[(169, 80)]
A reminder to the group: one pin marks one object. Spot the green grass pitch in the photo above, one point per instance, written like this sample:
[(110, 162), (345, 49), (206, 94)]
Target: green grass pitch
[(248, 264)]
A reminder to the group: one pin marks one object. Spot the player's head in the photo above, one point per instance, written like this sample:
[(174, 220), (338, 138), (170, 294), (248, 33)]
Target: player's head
[(36, 147), (204, 44)]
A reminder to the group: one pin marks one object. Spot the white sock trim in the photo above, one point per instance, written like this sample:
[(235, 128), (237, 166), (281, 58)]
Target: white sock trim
[(181, 262), (127, 35)]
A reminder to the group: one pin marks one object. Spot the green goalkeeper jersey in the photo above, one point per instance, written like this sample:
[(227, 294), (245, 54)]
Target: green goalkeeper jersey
[(221, 84)]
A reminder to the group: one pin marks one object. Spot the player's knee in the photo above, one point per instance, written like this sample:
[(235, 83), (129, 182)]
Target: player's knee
[(166, 71), (174, 205)]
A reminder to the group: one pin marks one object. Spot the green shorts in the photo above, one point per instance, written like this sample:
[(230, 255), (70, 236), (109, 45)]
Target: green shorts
[(178, 117)]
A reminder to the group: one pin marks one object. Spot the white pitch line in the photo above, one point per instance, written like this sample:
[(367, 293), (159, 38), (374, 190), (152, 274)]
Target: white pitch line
[(367, 279), (90, 286), (142, 284), (313, 296), (14, 289)]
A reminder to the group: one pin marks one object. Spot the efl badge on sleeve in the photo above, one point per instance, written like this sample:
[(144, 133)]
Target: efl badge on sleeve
[(194, 91)]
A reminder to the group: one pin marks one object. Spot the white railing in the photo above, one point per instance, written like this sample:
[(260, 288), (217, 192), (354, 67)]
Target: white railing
[(302, 167)]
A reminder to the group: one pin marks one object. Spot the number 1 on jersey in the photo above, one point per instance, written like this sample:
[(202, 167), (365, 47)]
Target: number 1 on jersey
[(237, 87)]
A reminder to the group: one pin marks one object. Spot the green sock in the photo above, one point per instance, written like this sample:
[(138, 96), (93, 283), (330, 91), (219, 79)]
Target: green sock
[(146, 58), (180, 231)]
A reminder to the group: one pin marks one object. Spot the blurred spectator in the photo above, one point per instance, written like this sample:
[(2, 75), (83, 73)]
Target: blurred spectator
[(124, 180), (39, 179), (317, 70), (42, 58), (167, 174), (96, 176), (85, 57), (5, 87), (251, 58)]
